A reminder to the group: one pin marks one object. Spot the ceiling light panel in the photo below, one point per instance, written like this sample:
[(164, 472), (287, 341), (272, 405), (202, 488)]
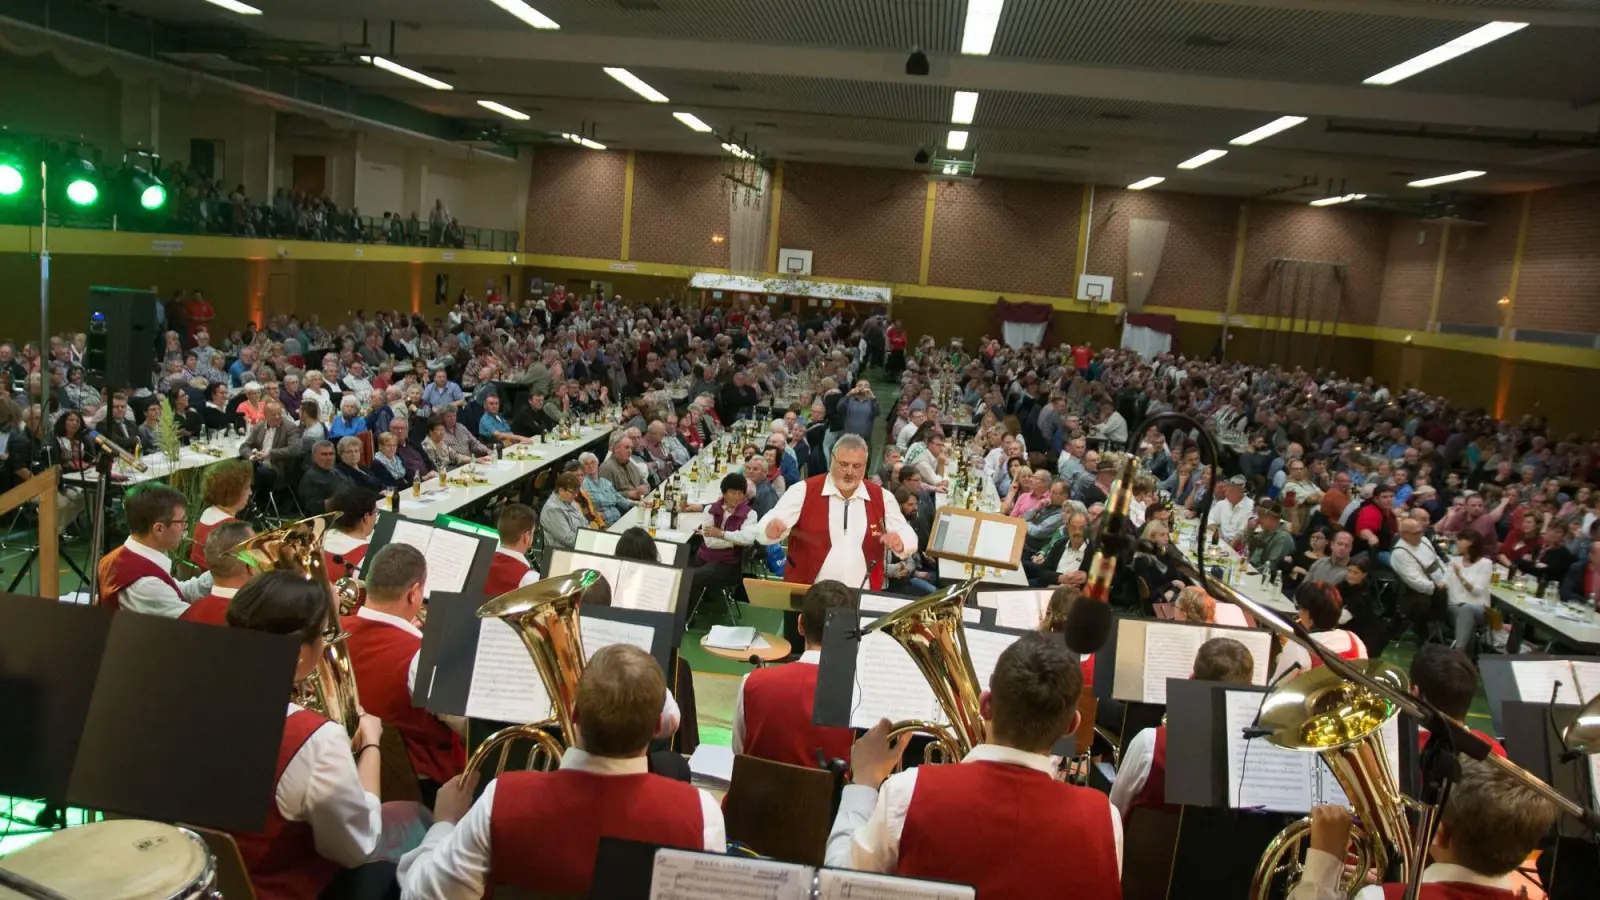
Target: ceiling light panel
[(636, 84), (983, 19), (956, 140), (1143, 183), (1200, 159), (1446, 179), (528, 14), (1472, 40), (395, 68), (691, 120), (243, 9), (1276, 126), (504, 110), (964, 108)]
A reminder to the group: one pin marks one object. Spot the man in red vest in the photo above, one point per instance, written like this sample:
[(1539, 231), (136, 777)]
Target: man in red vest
[(540, 831), (838, 524), (229, 573), (772, 712), (1489, 825), (1142, 777), (384, 642), (998, 819), (1446, 677), (137, 576), (325, 819), (509, 569)]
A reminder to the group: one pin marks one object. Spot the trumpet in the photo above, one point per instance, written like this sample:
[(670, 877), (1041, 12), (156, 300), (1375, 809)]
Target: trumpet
[(932, 631)]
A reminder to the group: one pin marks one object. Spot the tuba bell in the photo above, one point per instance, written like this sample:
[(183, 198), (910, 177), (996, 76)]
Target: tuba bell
[(933, 632), (1319, 712), (297, 547), (545, 616)]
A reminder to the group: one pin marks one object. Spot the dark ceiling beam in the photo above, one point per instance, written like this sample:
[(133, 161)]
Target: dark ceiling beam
[(1431, 9)]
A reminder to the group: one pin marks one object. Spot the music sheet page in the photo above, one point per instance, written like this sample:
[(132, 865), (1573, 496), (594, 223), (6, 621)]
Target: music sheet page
[(954, 534), (883, 603), (995, 540), (1588, 675), (505, 685), (1272, 778), (639, 586), (1329, 790), (985, 648), (412, 534), (1258, 642), (684, 875), (565, 562), (888, 684), (1018, 609), (1536, 678), (1168, 653), (598, 633), (450, 558), (842, 884)]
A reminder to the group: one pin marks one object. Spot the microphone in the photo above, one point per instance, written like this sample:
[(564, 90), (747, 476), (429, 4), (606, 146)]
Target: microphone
[(1254, 730), (126, 457), (1089, 624), (871, 565)]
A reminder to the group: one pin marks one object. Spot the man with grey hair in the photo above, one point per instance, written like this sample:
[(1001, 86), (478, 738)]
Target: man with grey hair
[(321, 480), (762, 496), (839, 524), (620, 471)]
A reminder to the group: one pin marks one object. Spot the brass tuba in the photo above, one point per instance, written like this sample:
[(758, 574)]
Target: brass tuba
[(545, 615), (297, 547), (932, 631), (1340, 721)]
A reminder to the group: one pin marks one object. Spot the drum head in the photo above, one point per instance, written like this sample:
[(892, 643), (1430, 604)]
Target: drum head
[(121, 859)]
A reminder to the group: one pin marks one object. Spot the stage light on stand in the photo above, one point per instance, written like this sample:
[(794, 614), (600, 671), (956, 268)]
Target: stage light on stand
[(79, 180), (11, 178)]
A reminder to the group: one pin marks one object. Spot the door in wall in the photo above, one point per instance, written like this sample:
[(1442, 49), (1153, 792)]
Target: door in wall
[(311, 175), (207, 158), (1410, 368), (280, 294)]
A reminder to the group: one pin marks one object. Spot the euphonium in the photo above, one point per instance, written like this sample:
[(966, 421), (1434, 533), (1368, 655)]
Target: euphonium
[(932, 631), (545, 615), (297, 547), (1340, 721)]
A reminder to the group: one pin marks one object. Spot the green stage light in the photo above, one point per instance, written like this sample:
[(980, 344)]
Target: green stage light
[(83, 192), (153, 197), (10, 179)]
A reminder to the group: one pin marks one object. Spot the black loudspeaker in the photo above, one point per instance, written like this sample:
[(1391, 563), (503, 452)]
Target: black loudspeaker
[(122, 337)]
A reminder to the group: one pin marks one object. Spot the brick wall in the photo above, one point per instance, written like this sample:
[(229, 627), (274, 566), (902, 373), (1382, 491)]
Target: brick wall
[(1197, 259), (1559, 288), (679, 203), (1478, 263), (1358, 238), (1002, 235), (575, 203), (860, 223), (1409, 273)]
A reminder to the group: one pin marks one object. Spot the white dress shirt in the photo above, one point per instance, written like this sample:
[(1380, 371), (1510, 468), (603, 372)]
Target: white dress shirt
[(338, 543), (907, 432), (324, 400), (320, 786), (528, 577), (453, 861), (1229, 614), (866, 833), (814, 657), (1338, 641), (847, 528), (213, 515), (1323, 872), (1071, 557), (1134, 771), (744, 537), (1231, 518), (1468, 583), (1414, 562), (156, 597), (1114, 429)]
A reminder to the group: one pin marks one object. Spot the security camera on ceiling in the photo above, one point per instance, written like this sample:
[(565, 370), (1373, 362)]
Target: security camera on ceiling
[(917, 62)]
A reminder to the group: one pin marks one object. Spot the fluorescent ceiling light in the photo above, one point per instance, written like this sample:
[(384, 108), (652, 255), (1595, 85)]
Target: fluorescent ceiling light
[(1445, 52), (1330, 201), (582, 141), (504, 110), (957, 140), (691, 120), (1445, 179), (235, 6), (1282, 123), (526, 13), (403, 72), (738, 151), (983, 18), (965, 106), (633, 83), (1143, 183), (1198, 160)]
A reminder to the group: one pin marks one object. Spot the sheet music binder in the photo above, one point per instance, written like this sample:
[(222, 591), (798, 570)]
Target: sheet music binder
[(1500, 681), (477, 575), (593, 540), (564, 562), (195, 710)]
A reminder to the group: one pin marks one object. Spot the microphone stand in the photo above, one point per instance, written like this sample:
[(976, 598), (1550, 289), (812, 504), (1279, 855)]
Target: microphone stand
[(97, 525)]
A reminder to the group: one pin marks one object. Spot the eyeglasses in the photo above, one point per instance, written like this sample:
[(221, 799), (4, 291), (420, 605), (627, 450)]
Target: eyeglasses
[(178, 522)]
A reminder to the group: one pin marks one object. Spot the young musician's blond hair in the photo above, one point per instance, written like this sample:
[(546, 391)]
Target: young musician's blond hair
[(1494, 821), (1224, 659), (619, 701)]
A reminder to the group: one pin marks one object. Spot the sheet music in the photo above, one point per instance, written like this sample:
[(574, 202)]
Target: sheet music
[(684, 875), (1169, 652), (1327, 788), (985, 648), (1535, 679), (505, 685), (598, 633), (842, 884), (888, 684), (591, 541), (1018, 609), (640, 586), (995, 540), (1588, 675), (888, 603), (565, 562), (1258, 642), (412, 534), (955, 534), (1594, 777), (449, 558), (1273, 778)]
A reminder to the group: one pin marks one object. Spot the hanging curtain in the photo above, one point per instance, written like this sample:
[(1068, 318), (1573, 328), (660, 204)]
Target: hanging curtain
[(1149, 335), (1147, 238), (1022, 323), (747, 223)]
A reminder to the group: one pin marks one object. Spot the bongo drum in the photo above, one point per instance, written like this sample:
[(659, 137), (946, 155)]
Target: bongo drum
[(120, 859)]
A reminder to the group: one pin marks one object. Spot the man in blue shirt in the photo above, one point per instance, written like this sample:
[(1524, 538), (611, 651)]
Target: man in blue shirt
[(493, 426), (442, 392)]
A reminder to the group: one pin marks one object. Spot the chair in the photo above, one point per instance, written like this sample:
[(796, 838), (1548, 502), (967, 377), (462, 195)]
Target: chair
[(470, 416), (397, 779), (232, 878), (779, 810), (1149, 844), (367, 448)]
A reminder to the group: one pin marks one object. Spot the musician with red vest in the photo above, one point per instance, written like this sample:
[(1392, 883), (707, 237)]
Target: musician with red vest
[(977, 821), (1318, 606), (838, 524), (540, 831), (229, 573), (1446, 678), (1490, 823), (345, 545), (137, 576), (384, 642), (509, 569), (325, 819), (772, 711), (228, 486), (1142, 777)]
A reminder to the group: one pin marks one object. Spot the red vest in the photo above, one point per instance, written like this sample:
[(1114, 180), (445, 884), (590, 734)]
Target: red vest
[(974, 823), (1154, 792), (1449, 890), (197, 544), (1494, 745), (810, 539), (545, 827), (505, 575), (381, 656), (1086, 666), (351, 564), (282, 858), (121, 568), (1356, 650), (777, 718), (210, 609)]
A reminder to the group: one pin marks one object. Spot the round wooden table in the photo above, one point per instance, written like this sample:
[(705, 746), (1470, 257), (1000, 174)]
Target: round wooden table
[(777, 648)]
